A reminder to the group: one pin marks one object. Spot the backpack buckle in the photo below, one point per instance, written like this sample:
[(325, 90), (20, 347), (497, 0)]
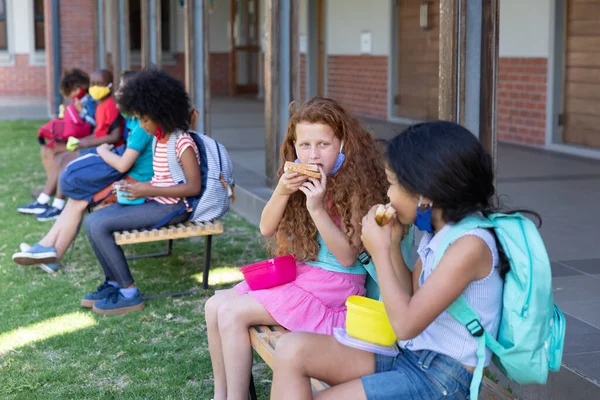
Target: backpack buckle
[(364, 257), (475, 328)]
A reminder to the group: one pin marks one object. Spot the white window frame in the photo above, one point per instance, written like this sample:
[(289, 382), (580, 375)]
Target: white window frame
[(7, 57), (168, 57), (36, 57)]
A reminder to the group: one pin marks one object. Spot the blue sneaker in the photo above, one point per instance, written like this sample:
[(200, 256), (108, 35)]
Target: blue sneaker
[(51, 267), (116, 304), (50, 214), (33, 208), (46, 267), (101, 293), (36, 254)]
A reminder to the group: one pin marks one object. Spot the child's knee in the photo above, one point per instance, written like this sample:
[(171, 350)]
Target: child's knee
[(93, 225), (290, 349), (211, 307), (230, 314)]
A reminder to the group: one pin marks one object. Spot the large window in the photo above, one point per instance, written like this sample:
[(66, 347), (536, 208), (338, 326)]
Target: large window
[(135, 25), (38, 24), (3, 38)]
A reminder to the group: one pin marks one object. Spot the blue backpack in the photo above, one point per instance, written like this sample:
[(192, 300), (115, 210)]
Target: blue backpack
[(216, 171), (532, 328)]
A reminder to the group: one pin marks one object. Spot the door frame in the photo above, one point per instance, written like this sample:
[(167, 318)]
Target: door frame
[(555, 88), (316, 71), (393, 69), (234, 88)]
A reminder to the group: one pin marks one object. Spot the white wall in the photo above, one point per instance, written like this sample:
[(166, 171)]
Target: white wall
[(525, 28), (346, 19), (219, 27)]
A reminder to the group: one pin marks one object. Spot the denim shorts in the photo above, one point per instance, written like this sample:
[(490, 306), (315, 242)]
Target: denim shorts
[(423, 375)]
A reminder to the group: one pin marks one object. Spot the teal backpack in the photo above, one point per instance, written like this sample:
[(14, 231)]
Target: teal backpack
[(532, 329)]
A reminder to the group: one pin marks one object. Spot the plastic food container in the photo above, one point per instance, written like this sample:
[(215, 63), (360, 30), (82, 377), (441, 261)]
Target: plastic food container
[(124, 200), (366, 320), (269, 273)]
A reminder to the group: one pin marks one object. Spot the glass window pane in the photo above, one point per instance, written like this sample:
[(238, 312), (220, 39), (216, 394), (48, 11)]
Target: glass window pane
[(165, 25), (40, 43), (135, 25)]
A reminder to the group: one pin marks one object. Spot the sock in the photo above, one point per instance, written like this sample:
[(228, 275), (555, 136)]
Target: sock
[(43, 198), (128, 293), (58, 203), (112, 283)]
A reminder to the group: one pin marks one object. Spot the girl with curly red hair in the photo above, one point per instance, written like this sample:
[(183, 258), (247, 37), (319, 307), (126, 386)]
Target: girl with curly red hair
[(318, 220)]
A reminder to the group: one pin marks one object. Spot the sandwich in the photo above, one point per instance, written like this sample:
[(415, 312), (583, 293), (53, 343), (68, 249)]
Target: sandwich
[(384, 214), (304, 169)]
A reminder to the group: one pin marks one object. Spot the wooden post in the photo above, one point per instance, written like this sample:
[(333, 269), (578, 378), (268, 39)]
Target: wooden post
[(197, 72), (158, 33), (188, 32), (145, 20), (271, 91), (469, 66), (281, 76), (489, 75), (125, 37), (116, 42), (448, 59), (233, 49)]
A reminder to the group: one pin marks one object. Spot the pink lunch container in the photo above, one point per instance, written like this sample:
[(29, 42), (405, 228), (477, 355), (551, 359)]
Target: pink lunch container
[(269, 273)]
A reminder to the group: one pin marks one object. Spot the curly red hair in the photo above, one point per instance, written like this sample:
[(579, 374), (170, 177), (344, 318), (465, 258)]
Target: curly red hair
[(358, 185)]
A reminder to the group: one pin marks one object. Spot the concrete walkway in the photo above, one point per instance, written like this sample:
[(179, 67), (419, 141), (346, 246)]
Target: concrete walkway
[(564, 190), (23, 107)]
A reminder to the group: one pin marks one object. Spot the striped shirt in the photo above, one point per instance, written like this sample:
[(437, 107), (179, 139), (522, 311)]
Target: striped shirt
[(445, 335), (162, 176)]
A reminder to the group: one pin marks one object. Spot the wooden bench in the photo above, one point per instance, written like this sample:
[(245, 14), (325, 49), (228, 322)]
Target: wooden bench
[(186, 229), (264, 338)]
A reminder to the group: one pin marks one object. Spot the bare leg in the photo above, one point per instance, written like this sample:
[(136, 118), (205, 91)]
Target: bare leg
[(214, 340), (63, 231), (235, 316), (47, 155), (61, 160), (63, 164), (301, 356)]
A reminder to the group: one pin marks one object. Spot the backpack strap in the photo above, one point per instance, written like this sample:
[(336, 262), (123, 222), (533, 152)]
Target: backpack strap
[(460, 309)]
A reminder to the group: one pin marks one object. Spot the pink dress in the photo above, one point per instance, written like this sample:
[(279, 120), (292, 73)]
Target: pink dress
[(315, 301)]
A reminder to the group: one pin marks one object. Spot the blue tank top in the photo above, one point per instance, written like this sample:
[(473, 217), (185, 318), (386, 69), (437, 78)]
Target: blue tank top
[(326, 260)]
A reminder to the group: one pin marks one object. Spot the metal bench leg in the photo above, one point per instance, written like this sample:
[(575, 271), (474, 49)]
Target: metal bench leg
[(252, 391), (163, 254), (207, 250)]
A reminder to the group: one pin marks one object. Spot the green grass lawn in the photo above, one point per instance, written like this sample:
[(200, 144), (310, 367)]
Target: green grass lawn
[(51, 348)]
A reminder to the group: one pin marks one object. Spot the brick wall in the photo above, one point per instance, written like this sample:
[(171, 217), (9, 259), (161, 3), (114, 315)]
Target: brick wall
[(77, 39), (219, 74), (177, 70), (359, 83), (219, 71), (77, 34), (522, 100), (22, 78)]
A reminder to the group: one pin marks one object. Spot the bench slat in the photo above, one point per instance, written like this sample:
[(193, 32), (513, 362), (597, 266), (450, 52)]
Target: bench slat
[(179, 231), (264, 338)]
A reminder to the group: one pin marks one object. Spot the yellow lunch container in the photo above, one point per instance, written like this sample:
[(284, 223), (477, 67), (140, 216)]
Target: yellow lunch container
[(366, 320)]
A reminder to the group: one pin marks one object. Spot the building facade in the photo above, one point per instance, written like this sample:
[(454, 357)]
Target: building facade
[(380, 58)]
